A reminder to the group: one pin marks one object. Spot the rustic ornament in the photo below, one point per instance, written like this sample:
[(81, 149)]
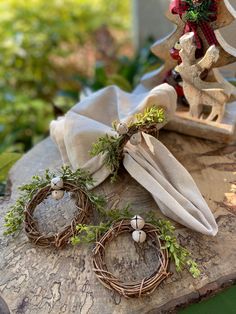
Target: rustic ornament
[(57, 183), (137, 222), (136, 139), (57, 194), (183, 122), (139, 236), (83, 205), (130, 289), (122, 128), (199, 92)]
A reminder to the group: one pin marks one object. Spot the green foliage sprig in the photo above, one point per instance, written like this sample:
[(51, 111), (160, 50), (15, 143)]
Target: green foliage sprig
[(178, 254), (150, 116), (111, 146), (90, 233), (15, 216), (198, 13)]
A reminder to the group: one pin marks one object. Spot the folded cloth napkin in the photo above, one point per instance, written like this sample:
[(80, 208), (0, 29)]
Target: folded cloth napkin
[(149, 162)]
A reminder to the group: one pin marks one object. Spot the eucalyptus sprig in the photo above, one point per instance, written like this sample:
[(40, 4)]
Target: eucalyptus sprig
[(15, 216), (111, 146)]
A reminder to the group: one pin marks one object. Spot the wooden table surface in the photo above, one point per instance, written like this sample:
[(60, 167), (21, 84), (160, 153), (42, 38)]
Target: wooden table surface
[(41, 281)]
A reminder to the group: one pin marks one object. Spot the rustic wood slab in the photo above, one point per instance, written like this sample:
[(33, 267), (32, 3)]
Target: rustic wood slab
[(224, 132), (36, 280)]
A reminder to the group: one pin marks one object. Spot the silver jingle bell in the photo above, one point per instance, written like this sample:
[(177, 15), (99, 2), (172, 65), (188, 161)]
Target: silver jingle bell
[(122, 128), (139, 236), (137, 222), (57, 194), (56, 183)]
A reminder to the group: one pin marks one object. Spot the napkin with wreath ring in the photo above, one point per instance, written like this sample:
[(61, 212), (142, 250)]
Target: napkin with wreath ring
[(147, 160)]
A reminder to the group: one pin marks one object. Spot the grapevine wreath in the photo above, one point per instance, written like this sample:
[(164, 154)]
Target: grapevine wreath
[(136, 289), (40, 189)]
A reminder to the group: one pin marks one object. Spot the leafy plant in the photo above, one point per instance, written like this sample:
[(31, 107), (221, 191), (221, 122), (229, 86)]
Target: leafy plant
[(43, 45), (41, 51), (111, 147), (89, 233)]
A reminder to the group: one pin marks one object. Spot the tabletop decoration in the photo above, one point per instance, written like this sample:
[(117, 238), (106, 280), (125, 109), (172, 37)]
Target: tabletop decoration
[(112, 146), (52, 185), (161, 234)]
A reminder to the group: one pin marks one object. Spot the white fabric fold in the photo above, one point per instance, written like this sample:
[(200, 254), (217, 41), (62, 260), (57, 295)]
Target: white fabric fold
[(174, 190), (149, 162)]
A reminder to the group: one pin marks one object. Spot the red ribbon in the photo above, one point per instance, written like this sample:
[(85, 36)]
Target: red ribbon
[(179, 7)]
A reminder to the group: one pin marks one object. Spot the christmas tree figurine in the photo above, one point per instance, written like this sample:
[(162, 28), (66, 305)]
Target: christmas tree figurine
[(204, 19)]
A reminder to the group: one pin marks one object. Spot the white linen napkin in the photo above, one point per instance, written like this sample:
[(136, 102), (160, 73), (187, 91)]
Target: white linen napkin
[(149, 162)]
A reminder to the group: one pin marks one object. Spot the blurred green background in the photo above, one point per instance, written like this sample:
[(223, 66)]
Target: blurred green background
[(50, 51)]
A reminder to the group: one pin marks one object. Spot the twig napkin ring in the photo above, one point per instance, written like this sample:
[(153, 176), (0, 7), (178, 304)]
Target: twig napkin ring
[(60, 239), (39, 189), (142, 230)]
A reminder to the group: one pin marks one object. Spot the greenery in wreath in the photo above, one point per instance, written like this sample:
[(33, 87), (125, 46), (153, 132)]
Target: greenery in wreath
[(112, 146), (178, 254), (90, 233), (15, 216)]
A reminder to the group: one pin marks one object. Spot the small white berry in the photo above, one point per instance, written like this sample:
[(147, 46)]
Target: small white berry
[(57, 183), (136, 139), (139, 236), (137, 222), (57, 194), (122, 128)]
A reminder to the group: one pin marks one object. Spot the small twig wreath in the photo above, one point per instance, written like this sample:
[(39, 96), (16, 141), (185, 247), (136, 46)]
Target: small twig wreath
[(40, 187), (126, 289), (112, 146), (60, 239)]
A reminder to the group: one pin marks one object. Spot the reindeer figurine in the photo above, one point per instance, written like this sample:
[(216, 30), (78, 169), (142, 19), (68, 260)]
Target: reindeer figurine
[(198, 92)]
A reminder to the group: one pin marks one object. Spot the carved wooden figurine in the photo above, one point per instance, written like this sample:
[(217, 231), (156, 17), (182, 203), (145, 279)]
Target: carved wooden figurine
[(210, 83), (198, 92)]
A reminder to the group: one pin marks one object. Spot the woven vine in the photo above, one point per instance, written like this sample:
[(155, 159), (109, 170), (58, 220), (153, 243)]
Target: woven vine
[(39, 189), (130, 289), (60, 239)]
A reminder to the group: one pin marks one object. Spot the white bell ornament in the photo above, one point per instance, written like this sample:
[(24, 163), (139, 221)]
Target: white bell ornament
[(137, 222), (139, 236), (57, 194), (57, 183)]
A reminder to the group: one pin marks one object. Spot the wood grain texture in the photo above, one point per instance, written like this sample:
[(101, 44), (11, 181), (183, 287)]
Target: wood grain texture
[(34, 280)]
